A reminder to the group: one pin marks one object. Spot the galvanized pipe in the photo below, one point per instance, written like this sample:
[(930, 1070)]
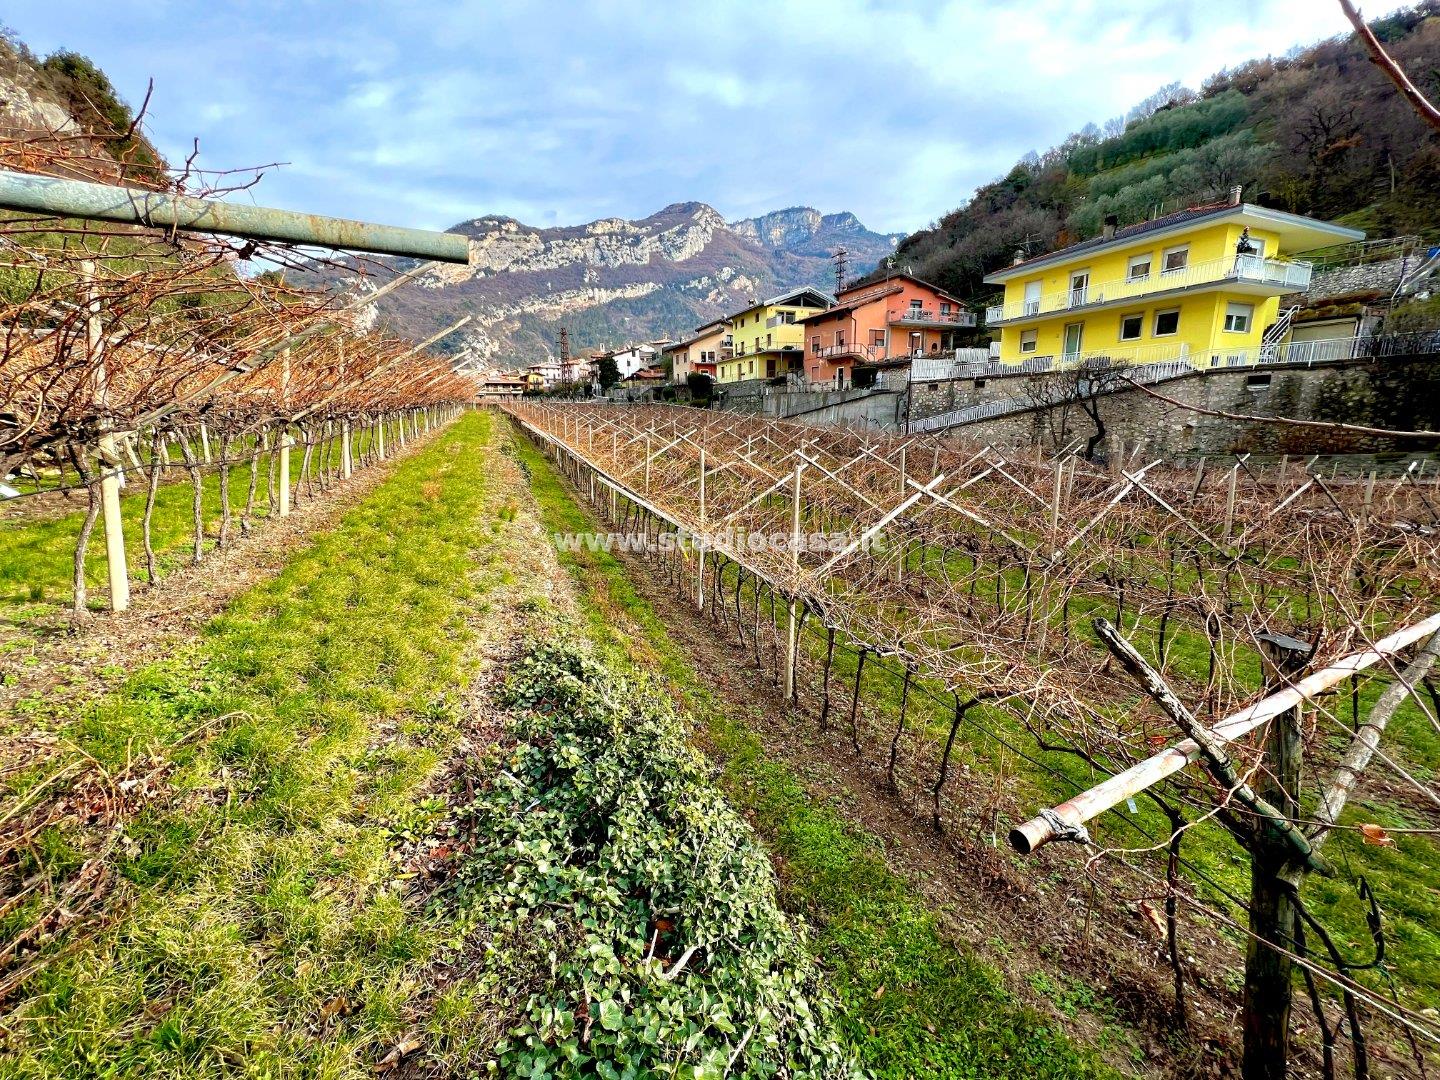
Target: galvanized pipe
[(1067, 820), (49, 195)]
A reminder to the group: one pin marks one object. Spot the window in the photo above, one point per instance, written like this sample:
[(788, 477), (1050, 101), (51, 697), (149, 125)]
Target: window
[(1238, 317), (915, 306), (1175, 259), (1132, 326), (787, 317), (815, 344), (839, 337), (752, 367), (944, 308), (1028, 340), (1258, 382), (1167, 323), (1080, 287), (979, 384), (877, 337), (769, 339), (1032, 295), (1139, 267)]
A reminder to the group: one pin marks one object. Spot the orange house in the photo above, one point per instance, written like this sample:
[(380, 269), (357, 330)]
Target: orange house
[(888, 320)]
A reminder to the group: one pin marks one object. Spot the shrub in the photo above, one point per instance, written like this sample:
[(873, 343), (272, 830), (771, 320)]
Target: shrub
[(676, 952)]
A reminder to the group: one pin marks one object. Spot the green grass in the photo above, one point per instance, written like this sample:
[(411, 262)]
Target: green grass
[(267, 932), (36, 556), (913, 1003)]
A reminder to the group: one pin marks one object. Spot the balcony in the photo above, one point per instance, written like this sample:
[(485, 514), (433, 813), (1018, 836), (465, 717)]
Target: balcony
[(866, 353), (785, 318), (1252, 273), (923, 316)]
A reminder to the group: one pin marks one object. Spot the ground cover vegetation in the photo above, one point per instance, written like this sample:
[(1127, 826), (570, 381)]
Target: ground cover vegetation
[(360, 824)]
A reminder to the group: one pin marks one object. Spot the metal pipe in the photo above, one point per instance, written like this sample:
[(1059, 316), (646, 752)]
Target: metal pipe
[(49, 195), (1067, 819)]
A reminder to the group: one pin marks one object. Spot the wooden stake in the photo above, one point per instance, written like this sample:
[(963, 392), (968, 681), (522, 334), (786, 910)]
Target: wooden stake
[(790, 632), (111, 465), (700, 543)]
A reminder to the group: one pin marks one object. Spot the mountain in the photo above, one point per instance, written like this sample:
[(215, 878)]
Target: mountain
[(1320, 131), (614, 281)]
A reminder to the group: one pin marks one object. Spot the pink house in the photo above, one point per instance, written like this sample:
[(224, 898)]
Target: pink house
[(881, 321)]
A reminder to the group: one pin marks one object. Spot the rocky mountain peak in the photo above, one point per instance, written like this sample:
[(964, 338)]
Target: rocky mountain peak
[(614, 280)]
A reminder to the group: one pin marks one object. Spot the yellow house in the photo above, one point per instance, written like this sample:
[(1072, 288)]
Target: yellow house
[(1202, 285), (767, 339), (700, 353)]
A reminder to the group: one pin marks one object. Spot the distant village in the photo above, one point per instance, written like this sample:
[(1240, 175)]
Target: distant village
[(805, 335), (1202, 290)]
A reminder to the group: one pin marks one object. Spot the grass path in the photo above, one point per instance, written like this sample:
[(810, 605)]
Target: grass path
[(262, 925)]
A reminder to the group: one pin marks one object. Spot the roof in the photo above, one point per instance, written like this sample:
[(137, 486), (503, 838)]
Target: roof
[(875, 292), (894, 276), (791, 298), (700, 332), (1303, 232)]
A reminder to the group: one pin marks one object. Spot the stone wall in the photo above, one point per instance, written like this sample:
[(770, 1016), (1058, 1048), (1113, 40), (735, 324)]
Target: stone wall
[(1401, 393)]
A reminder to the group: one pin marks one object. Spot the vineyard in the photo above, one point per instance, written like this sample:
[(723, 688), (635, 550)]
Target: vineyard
[(1031, 626), (353, 727)]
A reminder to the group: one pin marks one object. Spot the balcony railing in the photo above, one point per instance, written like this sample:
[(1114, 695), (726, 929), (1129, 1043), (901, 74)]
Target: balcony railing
[(780, 320), (859, 352), (1247, 269), (930, 316), (1149, 365)]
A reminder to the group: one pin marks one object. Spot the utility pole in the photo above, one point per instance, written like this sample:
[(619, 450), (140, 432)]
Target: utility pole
[(841, 259)]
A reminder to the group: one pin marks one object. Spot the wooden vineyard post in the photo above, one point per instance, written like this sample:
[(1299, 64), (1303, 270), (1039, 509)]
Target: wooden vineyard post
[(1273, 877), (1230, 502), (380, 439), (700, 544), (111, 465), (286, 441), (1055, 496), (793, 610), (347, 463)]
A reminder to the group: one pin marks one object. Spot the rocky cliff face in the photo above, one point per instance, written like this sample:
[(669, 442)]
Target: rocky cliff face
[(614, 281)]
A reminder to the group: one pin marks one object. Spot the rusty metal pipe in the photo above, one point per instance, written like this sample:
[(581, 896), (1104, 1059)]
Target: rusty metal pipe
[(30, 194)]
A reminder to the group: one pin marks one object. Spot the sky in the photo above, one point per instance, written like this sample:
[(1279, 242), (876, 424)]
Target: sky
[(427, 113)]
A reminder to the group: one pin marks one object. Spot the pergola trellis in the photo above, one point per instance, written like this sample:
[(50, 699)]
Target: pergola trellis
[(127, 328), (993, 566)]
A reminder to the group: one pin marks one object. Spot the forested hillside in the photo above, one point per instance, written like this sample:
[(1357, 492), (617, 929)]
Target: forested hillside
[(1321, 131), (67, 94)]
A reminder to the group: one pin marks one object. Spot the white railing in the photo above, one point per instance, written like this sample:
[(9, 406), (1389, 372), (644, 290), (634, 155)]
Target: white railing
[(953, 317), (863, 352), (1251, 269), (1148, 366)]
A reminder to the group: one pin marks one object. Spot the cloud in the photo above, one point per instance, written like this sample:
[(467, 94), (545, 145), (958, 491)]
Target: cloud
[(433, 112)]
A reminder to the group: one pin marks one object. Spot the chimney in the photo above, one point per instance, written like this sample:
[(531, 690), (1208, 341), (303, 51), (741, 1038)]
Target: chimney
[(1111, 222), (1019, 257), (1235, 195)]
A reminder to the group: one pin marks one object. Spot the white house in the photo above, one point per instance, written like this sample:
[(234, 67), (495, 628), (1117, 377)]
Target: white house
[(632, 358)]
